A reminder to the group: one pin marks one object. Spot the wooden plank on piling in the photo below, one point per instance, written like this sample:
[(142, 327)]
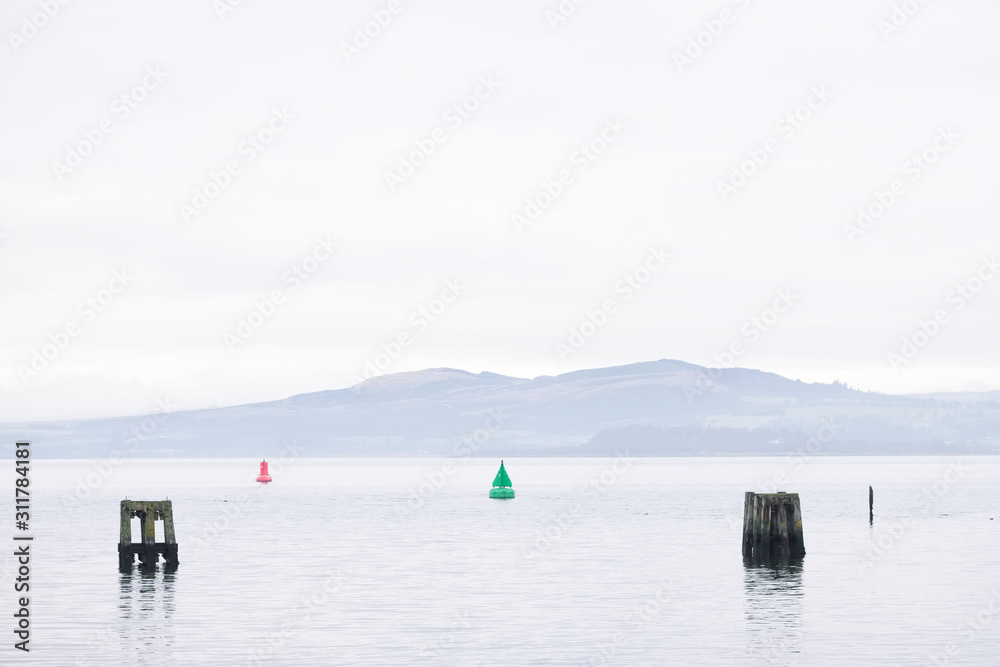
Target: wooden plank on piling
[(755, 541), (168, 524), (783, 528), (746, 535)]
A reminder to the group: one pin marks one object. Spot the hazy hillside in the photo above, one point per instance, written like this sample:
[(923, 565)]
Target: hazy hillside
[(651, 408)]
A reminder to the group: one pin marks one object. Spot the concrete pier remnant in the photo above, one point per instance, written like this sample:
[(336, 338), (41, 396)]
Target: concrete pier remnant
[(148, 550), (772, 526)]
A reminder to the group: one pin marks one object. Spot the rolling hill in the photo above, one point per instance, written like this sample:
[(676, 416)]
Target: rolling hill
[(663, 407)]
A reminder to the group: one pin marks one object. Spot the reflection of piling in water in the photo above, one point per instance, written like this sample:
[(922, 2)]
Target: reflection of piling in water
[(773, 611), (772, 526), (148, 550)]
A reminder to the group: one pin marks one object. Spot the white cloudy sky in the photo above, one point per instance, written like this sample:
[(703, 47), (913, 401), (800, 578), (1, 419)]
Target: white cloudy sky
[(324, 176)]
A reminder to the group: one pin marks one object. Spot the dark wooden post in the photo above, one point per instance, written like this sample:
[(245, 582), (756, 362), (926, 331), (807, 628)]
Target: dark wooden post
[(783, 520), (796, 541), (871, 505), (169, 537), (150, 556), (125, 557), (748, 514)]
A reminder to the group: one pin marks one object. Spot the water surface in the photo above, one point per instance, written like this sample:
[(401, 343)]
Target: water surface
[(596, 561)]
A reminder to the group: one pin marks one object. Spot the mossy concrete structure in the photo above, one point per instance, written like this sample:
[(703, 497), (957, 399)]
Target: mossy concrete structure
[(148, 549), (772, 526)]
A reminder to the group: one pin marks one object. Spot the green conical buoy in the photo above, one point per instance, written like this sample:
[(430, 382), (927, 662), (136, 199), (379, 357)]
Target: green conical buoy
[(501, 485)]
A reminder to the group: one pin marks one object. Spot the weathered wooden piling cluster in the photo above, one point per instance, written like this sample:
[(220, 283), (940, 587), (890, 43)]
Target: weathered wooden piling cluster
[(148, 550), (772, 526)]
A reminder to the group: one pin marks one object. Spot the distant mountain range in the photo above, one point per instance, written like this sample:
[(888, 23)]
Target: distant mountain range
[(656, 408)]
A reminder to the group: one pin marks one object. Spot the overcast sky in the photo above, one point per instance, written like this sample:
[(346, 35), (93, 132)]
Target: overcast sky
[(358, 194)]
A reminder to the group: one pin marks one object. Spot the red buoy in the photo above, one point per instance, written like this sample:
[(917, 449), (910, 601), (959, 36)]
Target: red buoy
[(263, 476)]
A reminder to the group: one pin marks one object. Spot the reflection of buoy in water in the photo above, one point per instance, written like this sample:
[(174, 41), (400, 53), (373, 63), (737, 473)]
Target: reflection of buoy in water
[(501, 485), (263, 476)]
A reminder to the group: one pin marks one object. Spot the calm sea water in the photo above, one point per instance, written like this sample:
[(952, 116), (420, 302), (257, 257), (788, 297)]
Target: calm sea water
[(596, 561)]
